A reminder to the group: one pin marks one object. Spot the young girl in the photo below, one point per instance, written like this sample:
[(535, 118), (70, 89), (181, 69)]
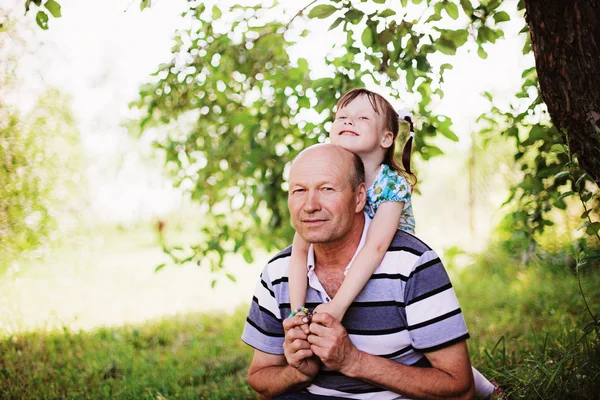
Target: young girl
[(367, 124)]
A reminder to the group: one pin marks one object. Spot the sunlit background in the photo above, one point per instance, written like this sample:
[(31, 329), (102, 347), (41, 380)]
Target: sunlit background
[(98, 54)]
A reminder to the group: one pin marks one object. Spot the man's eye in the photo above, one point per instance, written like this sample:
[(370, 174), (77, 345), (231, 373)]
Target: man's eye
[(298, 190), (328, 189)]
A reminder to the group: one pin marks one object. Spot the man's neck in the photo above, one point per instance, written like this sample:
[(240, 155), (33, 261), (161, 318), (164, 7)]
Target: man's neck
[(337, 255)]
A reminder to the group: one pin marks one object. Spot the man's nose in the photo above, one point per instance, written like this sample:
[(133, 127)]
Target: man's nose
[(312, 202)]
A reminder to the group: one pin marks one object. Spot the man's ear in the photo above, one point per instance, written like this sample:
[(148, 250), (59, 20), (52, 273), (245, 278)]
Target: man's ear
[(387, 140), (361, 197)]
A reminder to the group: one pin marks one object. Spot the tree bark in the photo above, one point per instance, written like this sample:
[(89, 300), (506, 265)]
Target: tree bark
[(565, 36)]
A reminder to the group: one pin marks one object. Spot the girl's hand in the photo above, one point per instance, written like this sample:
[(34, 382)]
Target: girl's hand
[(332, 309)]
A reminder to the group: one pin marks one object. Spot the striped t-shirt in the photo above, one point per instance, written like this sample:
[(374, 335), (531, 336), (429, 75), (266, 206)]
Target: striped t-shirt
[(407, 308)]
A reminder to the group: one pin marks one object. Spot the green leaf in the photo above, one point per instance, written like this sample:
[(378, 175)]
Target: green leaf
[(231, 277), (501, 16), (247, 254), (417, 1), (446, 46), (560, 204), (367, 37), (385, 37), (42, 20), (445, 66), (586, 213), (593, 228), (482, 53), (336, 23), (467, 7), (410, 79), (213, 283), (433, 151), (387, 13), (379, 1), (404, 3), (354, 15), (216, 13), (586, 196), (562, 174), (566, 194), (449, 134), (144, 4), (54, 8), (558, 148), (581, 179), (159, 267), (452, 10), (322, 11)]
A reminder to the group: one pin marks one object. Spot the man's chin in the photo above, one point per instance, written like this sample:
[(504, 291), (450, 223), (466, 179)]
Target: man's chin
[(315, 237)]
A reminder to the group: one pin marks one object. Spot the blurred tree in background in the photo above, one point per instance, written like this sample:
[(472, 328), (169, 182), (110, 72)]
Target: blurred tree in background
[(231, 110), (40, 160)]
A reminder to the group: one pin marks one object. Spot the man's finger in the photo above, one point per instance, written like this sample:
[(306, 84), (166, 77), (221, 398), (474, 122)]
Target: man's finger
[(292, 322), (295, 333), (316, 340), (323, 318), (299, 357), (299, 344)]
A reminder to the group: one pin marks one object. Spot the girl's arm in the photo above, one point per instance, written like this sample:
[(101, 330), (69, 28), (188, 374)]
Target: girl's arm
[(298, 276), (380, 235)]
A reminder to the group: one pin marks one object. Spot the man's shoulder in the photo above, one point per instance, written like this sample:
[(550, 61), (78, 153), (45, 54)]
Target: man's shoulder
[(404, 241), (277, 268), (282, 255)]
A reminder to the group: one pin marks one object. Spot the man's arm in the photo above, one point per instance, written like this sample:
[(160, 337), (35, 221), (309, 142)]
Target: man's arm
[(449, 377), (271, 375)]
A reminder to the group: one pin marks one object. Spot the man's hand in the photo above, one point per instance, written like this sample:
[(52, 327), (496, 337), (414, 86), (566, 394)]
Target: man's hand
[(332, 309), (330, 342), (296, 347)]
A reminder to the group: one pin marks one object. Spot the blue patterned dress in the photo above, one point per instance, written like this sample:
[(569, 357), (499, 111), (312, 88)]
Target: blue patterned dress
[(389, 186)]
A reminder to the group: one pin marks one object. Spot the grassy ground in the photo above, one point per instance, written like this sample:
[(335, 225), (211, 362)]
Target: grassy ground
[(527, 326), (530, 327), (188, 357)]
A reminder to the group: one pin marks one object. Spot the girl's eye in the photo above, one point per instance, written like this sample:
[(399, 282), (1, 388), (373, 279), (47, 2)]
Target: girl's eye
[(364, 117), (341, 117)]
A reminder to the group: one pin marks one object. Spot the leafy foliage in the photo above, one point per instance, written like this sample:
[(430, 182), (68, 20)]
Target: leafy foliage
[(38, 163), (233, 107), (231, 110)]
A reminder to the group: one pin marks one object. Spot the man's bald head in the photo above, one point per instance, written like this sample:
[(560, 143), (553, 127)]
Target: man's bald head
[(348, 160)]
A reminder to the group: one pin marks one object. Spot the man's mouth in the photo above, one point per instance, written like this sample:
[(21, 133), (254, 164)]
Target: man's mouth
[(313, 221)]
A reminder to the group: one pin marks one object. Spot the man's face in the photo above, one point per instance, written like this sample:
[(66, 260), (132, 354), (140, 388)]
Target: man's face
[(321, 200)]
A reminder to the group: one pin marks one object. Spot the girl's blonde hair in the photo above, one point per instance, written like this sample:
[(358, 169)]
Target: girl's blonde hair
[(392, 124)]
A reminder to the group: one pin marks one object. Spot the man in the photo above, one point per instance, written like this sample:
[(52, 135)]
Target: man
[(404, 335)]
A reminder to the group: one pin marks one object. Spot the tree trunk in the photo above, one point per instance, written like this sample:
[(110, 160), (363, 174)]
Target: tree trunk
[(565, 36)]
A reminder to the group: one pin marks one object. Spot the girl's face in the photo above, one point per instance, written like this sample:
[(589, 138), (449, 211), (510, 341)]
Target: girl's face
[(358, 128)]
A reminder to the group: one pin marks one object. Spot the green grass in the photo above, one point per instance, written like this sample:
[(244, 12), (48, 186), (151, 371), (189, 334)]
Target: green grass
[(527, 326), (188, 357)]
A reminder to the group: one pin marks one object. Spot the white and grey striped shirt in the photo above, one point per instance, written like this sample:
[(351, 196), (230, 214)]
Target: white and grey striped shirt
[(407, 308)]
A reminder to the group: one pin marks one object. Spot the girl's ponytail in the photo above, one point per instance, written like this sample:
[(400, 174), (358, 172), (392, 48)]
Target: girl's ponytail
[(406, 152)]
